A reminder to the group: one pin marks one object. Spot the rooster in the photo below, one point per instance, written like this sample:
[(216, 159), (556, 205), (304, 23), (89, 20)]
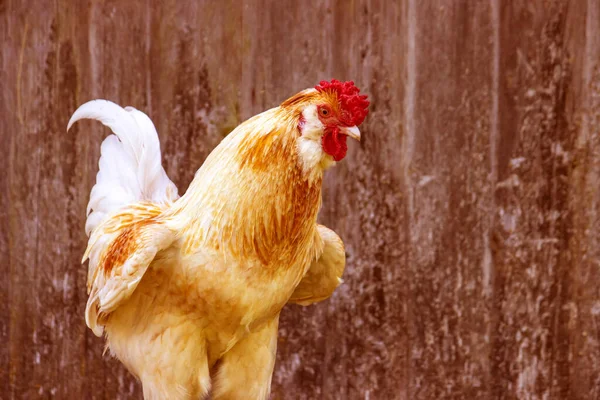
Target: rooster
[(188, 290)]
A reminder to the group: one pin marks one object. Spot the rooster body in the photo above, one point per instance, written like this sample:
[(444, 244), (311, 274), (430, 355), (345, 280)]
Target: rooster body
[(190, 288)]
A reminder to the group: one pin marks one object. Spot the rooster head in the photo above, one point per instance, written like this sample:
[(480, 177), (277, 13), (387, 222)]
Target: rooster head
[(327, 115)]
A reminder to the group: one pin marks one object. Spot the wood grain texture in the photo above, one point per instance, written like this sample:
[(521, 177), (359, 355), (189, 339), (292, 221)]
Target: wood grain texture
[(470, 211)]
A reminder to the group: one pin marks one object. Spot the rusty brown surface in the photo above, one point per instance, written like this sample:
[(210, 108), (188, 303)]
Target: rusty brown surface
[(471, 211)]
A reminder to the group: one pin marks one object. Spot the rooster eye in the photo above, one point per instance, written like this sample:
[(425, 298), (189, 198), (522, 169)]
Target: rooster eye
[(324, 112)]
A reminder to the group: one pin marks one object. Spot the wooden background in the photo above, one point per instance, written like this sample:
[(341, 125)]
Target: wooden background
[(471, 210)]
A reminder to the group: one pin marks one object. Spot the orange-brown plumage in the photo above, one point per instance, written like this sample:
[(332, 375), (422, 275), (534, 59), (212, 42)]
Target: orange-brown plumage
[(188, 282), (120, 249)]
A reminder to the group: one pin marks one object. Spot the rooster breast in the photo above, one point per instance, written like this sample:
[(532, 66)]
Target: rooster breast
[(202, 301)]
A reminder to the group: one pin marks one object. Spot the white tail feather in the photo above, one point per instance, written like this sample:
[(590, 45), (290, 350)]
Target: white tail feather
[(130, 162)]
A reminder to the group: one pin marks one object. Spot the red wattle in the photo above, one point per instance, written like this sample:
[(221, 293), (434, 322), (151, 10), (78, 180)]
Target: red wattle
[(334, 144)]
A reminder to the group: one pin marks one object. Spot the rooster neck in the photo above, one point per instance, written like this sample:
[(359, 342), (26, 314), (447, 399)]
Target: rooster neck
[(252, 198), (272, 223)]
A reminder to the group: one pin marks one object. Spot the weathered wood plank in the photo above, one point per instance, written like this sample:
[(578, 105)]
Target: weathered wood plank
[(582, 111), (364, 204), (449, 173), (532, 219), (5, 144)]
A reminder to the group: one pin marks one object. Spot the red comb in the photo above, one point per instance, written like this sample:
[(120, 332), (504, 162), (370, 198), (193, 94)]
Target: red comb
[(354, 106)]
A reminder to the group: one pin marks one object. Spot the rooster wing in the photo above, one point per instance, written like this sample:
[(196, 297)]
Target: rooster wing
[(325, 273)]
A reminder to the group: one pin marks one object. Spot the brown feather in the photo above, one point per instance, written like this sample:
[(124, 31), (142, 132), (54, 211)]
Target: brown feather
[(124, 245)]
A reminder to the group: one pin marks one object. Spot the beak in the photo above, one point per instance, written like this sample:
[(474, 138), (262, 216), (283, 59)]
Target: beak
[(351, 131)]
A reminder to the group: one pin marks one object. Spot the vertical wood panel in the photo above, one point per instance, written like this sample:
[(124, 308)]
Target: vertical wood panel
[(450, 183), (470, 210), (5, 145), (533, 221), (583, 113), (374, 296)]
